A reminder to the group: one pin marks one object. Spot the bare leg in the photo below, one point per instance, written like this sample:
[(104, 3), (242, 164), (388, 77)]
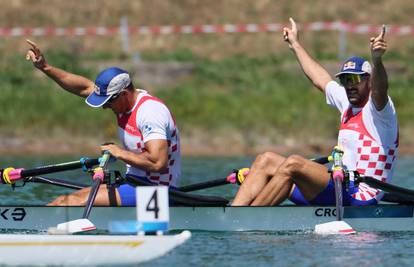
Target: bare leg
[(80, 197), (263, 168), (310, 177)]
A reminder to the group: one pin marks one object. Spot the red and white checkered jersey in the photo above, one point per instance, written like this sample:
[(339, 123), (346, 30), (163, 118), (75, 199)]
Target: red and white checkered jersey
[(150, 119), (369, 138)]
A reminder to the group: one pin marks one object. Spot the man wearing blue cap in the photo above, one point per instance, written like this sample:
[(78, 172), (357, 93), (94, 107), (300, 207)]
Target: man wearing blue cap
[(147, 129), (368, 135)]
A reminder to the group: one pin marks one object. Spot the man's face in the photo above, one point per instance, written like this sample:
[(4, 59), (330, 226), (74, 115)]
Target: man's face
[(357, 87), (117, 103)]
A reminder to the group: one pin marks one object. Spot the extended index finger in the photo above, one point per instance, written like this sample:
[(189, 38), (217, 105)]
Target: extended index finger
[(293, 24), (33, 45), (383, 29)]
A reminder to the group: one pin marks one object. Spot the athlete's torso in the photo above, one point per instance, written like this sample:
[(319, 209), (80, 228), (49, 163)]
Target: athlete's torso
[(148, 120), (368, 137)]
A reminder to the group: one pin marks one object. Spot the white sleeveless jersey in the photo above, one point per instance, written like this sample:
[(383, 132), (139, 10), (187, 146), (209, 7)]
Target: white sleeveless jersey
[(148, 120), (368, 137)]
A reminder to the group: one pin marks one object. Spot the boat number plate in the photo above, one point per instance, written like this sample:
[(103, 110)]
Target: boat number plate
[(15, 214)]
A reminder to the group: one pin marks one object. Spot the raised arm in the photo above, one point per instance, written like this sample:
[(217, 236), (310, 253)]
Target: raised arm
[(379, 81), (312, 69), (72, 83)]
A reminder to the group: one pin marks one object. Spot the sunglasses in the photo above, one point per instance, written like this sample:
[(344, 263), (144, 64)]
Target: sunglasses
[(350, 79), (114, 97)]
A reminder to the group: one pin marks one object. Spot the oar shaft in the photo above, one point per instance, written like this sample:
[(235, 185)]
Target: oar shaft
[(98, 178), (224, 181), (57, 182), (400, 191), (322, 160), (338, 198), (11, 175), (203, 185), (88, 163), (91, 198), (338, 177)]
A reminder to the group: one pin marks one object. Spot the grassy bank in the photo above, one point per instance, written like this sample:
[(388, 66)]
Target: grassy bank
[(249, 98)]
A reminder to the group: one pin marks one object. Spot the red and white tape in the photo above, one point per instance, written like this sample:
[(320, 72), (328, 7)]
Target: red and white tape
[(194, 29)]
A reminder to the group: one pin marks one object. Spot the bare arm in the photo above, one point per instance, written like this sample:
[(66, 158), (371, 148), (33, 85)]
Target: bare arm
[(154, 159), (379, 81), (312, 69), (72, 83)]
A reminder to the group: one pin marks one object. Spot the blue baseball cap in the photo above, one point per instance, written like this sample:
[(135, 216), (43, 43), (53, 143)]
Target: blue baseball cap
[(108, 83), (355, 65)]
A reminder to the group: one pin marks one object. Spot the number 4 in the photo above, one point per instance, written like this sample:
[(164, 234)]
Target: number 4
[(153, 204)]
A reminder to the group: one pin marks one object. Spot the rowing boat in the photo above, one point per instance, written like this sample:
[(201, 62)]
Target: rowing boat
[(199, 212), (384, 217), (31, 249)]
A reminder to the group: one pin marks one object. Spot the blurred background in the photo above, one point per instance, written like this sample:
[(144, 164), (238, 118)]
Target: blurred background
[(221, 66)]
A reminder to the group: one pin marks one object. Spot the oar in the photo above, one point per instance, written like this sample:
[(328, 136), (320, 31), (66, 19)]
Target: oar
[(84, 224), (338, 226), (231, 180), (405, 193), (11, 175), (54, 181), (205, 185)]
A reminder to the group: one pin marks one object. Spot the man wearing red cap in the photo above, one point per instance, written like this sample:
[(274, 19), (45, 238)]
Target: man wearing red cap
[(368, 135), (148, 132)]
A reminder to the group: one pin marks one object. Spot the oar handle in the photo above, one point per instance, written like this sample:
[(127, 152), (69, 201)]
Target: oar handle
[(99, 172), (11, 175)]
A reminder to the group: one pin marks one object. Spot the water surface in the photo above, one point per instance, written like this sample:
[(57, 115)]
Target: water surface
[(246, 248)]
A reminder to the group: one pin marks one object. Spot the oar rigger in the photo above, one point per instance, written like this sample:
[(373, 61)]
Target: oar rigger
[(10, 175)]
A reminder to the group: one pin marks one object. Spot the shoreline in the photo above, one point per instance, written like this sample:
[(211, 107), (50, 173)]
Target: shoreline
[(193, 147)]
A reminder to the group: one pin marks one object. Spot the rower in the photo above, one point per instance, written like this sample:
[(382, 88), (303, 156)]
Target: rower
[(368, 135), (148, 132)]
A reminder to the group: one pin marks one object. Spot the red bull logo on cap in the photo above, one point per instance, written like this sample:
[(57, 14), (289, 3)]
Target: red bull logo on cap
[(349, 65)]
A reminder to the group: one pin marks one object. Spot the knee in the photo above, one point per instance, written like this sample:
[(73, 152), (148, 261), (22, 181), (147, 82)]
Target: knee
[(77, 198), (265, 159), (59, 201), (292, 164)]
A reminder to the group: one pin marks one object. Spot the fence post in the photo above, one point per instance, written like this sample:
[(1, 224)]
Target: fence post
[(342, 41), (124, 34)]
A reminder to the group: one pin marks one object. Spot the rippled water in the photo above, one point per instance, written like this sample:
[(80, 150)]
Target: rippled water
[(249, 248)]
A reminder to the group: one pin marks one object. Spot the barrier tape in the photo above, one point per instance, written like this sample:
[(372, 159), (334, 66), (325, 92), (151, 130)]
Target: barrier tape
[(195, 29)]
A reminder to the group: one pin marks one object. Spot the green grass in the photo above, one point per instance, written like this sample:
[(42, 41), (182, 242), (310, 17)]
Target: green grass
[(32, 104), (239, 93)]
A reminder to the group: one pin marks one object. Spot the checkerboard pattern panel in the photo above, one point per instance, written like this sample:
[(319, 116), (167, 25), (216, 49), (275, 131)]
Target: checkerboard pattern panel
[(375, 161)]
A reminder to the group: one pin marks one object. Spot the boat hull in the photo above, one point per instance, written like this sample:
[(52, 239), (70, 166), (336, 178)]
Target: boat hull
[(87, 250), (385, 217)]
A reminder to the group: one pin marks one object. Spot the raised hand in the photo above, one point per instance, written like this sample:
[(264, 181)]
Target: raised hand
[(290, 35), (378, 44), (35, 55)]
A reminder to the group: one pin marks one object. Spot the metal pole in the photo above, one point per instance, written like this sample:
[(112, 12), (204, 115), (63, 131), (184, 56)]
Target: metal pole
[(124, 34), (342, 41)]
